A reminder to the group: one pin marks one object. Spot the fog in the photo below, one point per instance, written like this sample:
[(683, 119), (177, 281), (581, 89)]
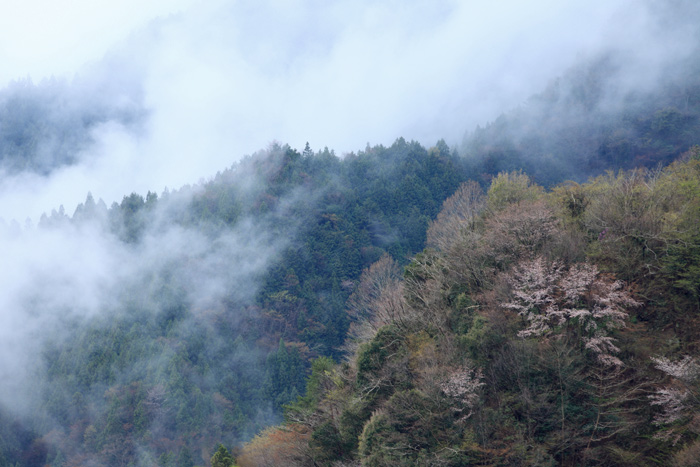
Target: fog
[(218, 79), (187, 88), (70, 274)]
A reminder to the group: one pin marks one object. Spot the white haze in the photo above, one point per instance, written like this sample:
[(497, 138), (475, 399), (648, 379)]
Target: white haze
[(222, 79), (58, 278)]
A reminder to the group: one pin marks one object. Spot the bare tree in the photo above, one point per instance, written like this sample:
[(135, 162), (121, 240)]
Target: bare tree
[(459, 214), (521, 231), (615, 393), (377, 301)]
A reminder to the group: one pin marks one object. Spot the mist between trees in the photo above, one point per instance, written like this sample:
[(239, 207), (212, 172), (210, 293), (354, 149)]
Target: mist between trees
[(511, 339), (381, 304)]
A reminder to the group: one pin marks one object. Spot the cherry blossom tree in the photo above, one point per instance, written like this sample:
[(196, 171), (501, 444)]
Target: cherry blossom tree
[(681, 397), (578, 300), (463, 385)]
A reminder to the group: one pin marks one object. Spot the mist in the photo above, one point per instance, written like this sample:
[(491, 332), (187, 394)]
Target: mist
[(142, 282), (217, 80), (66, 274), (151, 101)]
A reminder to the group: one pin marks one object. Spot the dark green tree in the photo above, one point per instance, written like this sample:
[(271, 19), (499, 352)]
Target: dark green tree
[(221, 458)]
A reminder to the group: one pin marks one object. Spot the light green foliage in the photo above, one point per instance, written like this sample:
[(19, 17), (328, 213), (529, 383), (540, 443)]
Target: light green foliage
[(318, 381), (509, 188), (534, 398), (643, 226), (380, 362), (380, 444)]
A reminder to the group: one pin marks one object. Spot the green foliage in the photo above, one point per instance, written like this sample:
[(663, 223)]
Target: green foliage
[(352, 421), (379, 443), (643, 227), (376, 201), (184, 458), (480, 340), (221, 458), (328, 445), (164, 376), (373, 375), (285, 377), (500, 384), (682, 263), (511, 188), (318, 381)]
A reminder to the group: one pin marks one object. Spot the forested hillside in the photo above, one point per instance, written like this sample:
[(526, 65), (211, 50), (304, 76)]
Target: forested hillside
[(526, 297), (590, 119), (165, 373), (536, 328)]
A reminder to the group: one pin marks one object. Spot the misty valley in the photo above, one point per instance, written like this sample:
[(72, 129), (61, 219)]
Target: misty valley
[(527, 294)]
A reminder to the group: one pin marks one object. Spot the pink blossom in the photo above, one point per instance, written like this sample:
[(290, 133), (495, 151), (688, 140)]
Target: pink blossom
[(552, 299), (463, 386), (686, 369), (674, 403), (676, 400)]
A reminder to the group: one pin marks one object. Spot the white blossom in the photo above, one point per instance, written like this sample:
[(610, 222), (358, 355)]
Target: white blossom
[(550, 298), (686, 369), (463, 386), (676, 401)]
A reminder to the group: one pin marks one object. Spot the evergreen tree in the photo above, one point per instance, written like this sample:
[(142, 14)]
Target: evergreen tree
[(221, 458)]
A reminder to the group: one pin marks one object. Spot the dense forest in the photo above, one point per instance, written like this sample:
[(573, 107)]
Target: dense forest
[(536, 328), (527, 297), (167, 375), (586, 122)]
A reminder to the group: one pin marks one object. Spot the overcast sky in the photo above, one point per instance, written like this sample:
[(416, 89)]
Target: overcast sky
[(221, 79)]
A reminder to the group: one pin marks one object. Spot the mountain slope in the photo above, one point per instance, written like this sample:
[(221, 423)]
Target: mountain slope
[(593, 118), (511, 340)]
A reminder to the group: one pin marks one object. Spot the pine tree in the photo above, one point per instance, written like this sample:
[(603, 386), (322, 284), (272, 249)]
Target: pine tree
[(221, 458)]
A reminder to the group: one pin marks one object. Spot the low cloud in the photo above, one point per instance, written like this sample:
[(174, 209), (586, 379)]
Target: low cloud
[(217, 80), (65, 275), (211, 81)]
